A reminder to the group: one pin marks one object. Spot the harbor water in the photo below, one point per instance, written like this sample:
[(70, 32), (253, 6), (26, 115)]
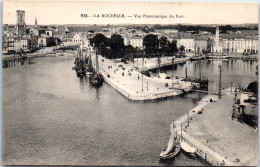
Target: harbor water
[(52, 117)]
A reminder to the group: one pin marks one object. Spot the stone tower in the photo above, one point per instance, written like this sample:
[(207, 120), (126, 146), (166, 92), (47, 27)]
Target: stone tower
[(217, 37), (21, 28), (217, 46)]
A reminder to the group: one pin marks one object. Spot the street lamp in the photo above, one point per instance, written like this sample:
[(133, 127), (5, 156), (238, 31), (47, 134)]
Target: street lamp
[(172, 80), (142, 82)]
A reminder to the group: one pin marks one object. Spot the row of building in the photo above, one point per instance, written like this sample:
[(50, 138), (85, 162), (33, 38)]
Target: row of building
[(29, 38)]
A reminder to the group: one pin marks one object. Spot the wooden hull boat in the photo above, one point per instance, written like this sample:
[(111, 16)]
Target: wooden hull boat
[(187, 148), (196, 58), (96, 80), (217, 57), (171, 154), (81, 72), (173, 147)]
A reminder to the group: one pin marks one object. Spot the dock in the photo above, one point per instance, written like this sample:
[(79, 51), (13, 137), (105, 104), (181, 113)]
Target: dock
[(219, 140), (128, 80)]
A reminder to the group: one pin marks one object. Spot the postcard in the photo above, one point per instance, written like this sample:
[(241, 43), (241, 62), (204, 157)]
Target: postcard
[(124, 83)]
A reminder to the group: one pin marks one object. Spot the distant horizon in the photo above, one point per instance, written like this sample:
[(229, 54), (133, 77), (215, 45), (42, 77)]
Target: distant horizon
[(66, 12)]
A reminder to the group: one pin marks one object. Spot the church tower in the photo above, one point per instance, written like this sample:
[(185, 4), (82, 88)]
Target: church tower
[(21, 28), (217, 36)]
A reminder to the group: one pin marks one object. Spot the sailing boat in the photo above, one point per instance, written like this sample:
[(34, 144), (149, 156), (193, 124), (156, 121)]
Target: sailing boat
[(79, 62), (96, 78), (202, 81), (173, 147)]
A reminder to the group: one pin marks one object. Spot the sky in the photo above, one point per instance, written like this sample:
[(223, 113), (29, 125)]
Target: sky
[(67, 12)]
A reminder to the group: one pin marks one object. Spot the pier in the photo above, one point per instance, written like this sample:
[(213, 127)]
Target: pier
[(130, 82), (219, 140)]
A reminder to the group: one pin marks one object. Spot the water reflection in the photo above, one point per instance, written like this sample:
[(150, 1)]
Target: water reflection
[(236, 71)]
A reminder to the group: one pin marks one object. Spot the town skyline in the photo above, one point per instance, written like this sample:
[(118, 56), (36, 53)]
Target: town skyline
[(70, 12)]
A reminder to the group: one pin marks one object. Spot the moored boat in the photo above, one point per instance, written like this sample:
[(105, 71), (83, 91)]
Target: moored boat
[(194, 58), (217, 57), (171, 154), (97, 80), (187, 148), (173, 147)]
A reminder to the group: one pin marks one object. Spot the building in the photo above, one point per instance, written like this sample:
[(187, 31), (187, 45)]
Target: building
[(238, 44), (10, 44), (70, 36), (187, 42), (15, 44), (201, 43), (25, 44), (77, 38), (136, 41), (61, 35), (45, 41)]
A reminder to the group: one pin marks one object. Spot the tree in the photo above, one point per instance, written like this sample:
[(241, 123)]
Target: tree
[(99, 41), (129, 52), (145, 29), (163, 42), (151, 43), (182, 48), (173, 46), (116, 43), (253, 87)]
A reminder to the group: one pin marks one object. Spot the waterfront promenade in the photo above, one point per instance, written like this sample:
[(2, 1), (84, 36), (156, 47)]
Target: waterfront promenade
[(219, 139), (129, 81)]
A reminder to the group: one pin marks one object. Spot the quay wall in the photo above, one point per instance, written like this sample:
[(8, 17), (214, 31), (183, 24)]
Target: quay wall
[(165, 64), (202, 151), (141, 97)]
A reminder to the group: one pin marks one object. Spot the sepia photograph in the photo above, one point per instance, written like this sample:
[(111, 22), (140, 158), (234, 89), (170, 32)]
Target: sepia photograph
[(129, 83)]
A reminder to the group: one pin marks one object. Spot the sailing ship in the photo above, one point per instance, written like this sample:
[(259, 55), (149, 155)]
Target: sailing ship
[(202, 81), (96, 79), (80, 65), (173, 147)]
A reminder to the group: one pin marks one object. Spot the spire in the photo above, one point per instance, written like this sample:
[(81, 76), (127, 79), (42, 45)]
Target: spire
[(35, 22)]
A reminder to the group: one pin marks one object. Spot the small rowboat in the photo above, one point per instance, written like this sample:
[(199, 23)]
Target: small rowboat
[(187, 148)]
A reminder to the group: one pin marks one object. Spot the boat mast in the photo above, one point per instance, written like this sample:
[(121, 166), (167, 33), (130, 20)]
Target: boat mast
[(195, 46), (90, 61), (186, 72), (212, 42), (142, 73), (220, 70), (200, 69), (159, 62), (97, 62)]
